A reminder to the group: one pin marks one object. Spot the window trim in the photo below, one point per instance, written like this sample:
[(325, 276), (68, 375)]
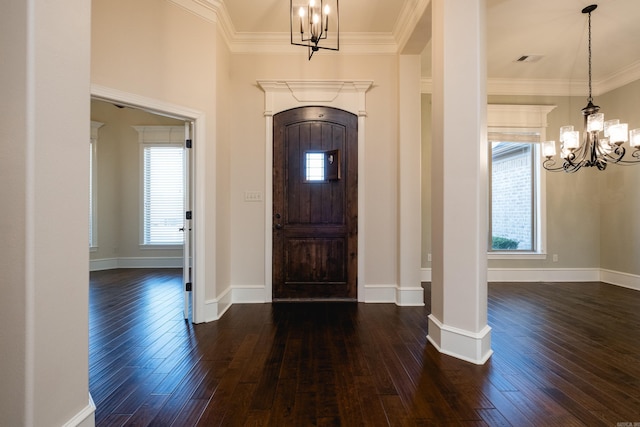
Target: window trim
[(93, 186), (524, 118), (172, 136)]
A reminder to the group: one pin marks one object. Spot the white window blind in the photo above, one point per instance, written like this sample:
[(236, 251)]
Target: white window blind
[(93, 185), (163, 198), (91, 198)]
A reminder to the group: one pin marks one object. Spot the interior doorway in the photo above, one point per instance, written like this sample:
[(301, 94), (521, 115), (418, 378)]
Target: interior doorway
[(129, 170)]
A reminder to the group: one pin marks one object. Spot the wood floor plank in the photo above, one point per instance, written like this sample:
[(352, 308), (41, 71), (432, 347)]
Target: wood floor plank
[(564, 354)]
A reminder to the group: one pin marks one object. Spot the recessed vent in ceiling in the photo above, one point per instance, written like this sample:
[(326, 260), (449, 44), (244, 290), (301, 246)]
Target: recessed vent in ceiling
[(529, 58)]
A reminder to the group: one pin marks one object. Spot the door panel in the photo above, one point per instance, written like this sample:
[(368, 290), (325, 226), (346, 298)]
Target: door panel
[(315, 204), (187, 249)]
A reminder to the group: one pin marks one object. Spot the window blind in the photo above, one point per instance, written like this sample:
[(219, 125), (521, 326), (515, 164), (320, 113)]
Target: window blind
[(91, 201), (163, 198)]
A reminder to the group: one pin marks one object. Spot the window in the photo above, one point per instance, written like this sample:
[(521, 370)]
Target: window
[(314, 166), (93, 179), (322, 166), (163, 194), (514, 188), (517, 205)]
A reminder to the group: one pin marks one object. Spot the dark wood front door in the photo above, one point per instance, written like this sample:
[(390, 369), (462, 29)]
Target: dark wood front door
[(315, 204)]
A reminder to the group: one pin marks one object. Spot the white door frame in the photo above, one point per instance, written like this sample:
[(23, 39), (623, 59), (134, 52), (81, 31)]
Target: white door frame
[(198, 118), (281, 95)]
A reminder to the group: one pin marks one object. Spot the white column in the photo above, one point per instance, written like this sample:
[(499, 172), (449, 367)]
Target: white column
[(44, 170), (458, 323), (409, 291)]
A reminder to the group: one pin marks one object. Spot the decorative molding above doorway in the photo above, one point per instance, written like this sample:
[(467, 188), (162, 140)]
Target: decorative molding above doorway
[(348, 95)]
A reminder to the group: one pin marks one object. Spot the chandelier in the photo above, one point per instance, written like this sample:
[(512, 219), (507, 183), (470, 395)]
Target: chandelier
[(312, 21), (595, 150)]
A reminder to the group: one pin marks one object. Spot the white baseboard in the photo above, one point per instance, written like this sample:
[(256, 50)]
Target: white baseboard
[(103, 264), (625, 280), (249, 294), (410, 296), (215, 308), (413, 296), (461, 344), (543, 275), (84, 418), (534, 275), (379, 293), (135, 262)]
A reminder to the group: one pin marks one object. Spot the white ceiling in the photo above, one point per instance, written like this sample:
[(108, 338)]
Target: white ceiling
[(554, 29)]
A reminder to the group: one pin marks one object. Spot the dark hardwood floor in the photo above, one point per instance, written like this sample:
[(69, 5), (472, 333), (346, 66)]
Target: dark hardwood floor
[(566, 354)]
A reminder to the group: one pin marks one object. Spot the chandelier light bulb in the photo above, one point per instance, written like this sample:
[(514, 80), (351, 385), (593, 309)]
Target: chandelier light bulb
[(572, 140), (549, 149), (608, 124), (634, 138), (619, 133), (311, 18), (563, 130), (595, 122)]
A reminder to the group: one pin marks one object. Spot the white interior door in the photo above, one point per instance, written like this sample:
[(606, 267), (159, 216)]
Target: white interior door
[(186, 253)]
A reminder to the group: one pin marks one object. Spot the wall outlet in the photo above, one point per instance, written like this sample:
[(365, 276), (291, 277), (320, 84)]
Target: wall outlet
[(429, 257), (555, 257)]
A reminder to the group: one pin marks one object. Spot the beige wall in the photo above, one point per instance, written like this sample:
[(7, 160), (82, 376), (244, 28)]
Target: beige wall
[(118, 181), (13, 222), (248, 155), (619, 197), (589, 213), (224, 127)]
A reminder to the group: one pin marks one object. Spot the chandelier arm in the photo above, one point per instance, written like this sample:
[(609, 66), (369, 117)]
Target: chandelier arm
[(634, 161), (570, 164)]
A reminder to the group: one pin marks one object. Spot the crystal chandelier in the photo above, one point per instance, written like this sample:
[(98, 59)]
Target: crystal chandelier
[(594, 150), (312, 21)]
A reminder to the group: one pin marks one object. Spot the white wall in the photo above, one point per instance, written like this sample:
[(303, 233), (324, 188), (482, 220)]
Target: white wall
[(248, 155), (44, 127)]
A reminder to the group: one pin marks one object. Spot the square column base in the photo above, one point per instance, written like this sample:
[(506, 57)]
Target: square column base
[(461, 344)]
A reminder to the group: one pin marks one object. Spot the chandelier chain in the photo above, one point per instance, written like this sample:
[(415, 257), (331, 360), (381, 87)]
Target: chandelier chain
[(590, 99)]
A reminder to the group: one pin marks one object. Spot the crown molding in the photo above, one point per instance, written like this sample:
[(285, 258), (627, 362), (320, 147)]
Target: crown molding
[(350, 43), (242, 42), (548, 87), (614, 81), (213, 11), (523, 87), (408, 19), (390, 43)]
